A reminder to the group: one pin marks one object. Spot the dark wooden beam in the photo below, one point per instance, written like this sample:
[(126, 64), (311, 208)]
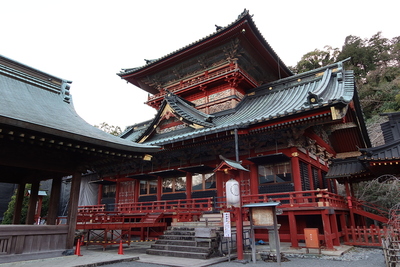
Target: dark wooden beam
[(73, 208), (18, 204), (54, 201), (33, 198)]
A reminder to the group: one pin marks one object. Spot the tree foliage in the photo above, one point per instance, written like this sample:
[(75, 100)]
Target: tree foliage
[(316, 59), (111, 129), (376, 65), (9, 213), (383, 191)]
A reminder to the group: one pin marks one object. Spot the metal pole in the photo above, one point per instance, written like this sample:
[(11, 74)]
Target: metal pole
[(236, 145), (229, 248), (253, 239)]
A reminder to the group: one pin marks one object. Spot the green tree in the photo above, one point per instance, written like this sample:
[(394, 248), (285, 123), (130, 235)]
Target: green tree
[(383, 191), (360, 54), (111, 129), (316, 59), (376, 65), (8, 214)]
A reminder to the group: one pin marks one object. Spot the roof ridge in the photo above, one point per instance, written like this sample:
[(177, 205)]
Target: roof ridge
[(242, 15), (17, 74), (170, 97), (308, 73)]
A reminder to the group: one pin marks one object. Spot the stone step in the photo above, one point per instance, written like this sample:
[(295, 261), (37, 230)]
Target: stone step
[(211, 217), (199, 249), (176, 237), (193, 227), (191, 255), (179, 232), (180, 228), (197, 224), (188, 243)]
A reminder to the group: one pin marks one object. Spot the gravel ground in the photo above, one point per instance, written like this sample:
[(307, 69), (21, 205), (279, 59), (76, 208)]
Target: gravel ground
[(365, 257)]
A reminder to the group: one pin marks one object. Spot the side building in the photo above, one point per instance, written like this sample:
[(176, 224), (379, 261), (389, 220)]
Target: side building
[(43, 138)]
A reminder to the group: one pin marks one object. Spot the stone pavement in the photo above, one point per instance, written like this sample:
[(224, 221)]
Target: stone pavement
[(95, 256)]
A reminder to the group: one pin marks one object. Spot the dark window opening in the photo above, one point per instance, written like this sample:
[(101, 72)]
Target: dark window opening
[(275, 173)]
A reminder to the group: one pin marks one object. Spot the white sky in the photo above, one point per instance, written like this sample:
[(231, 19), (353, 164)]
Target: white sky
[(89, 41)]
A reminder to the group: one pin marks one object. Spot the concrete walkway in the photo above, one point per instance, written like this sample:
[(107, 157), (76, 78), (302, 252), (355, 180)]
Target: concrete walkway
[(95, 256)]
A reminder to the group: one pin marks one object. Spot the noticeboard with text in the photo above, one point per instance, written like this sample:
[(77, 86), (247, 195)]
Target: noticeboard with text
[(227, 224), (263, 216)]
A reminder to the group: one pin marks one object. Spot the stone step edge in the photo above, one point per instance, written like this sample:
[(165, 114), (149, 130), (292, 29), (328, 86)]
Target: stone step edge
[(177, 252)]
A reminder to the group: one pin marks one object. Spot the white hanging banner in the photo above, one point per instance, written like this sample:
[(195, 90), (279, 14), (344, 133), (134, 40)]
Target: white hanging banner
[(227, 224)]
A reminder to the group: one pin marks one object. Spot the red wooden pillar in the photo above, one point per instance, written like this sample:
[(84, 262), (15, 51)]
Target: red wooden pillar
[(238, 176), (347, 188), (159, 188), (321, 179), (327, 229), (38, 209), (310, 177), (352, 189), (344, 226), (293, 229), (18, 204), (253, 179), (188, 185), (296, 172), (335, 229), (136, 189), (329, 185), (335, 183), (220, 183), (117, 190), (239, 233), (142, 233), (350, 204)]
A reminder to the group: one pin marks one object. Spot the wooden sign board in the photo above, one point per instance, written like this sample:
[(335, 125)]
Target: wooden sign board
[(263, 216)]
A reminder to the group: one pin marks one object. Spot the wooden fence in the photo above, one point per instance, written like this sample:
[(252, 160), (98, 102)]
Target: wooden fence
[(391, 251), (28, 239), (367, 236)]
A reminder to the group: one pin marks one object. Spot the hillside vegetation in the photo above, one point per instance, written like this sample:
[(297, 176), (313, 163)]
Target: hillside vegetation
[(376, 65)]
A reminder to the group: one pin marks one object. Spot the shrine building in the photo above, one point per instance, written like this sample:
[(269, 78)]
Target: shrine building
[(229, 108)]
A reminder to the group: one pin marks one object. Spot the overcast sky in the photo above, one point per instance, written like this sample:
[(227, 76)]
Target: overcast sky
[(89, 41)]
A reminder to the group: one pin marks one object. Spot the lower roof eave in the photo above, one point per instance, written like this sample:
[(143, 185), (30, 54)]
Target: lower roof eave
[(131, 148)]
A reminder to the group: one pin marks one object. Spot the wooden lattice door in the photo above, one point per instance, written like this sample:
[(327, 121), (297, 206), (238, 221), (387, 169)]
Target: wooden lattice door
[(126, 192)]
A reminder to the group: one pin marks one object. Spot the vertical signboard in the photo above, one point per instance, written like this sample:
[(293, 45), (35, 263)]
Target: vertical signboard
[(227, 224)]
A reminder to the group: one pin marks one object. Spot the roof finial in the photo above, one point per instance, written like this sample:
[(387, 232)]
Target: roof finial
[(217, 28), (244, 13)]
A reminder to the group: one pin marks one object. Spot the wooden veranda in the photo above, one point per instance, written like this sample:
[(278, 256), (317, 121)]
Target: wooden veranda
[(334, 210)]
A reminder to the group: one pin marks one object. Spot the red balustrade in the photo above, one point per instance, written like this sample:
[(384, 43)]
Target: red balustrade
[(312, 198)]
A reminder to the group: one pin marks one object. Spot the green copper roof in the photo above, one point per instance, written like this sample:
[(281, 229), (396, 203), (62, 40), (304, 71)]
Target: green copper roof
[(34, 100), (326, 86)]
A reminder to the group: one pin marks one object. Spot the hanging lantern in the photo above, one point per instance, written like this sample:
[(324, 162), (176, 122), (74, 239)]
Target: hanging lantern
[(232, 193)]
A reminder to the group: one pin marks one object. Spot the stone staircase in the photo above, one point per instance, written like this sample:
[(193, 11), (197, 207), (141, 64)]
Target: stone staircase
[(196, 240)]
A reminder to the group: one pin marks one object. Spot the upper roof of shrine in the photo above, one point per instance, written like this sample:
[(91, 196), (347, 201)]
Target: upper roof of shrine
[(288, 101), (36, 101), (239, 42)]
